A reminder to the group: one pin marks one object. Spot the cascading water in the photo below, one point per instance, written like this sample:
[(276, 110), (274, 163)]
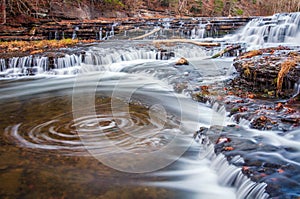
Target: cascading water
[(100, 33), (279, 28), (112, 32), (296, 89), (74, 35), (143, 77), (62, 136), (96, 56), (198, 32)]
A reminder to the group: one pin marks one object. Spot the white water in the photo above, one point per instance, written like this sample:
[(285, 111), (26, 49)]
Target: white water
[(273, 30), (198, 32), (196, 176), (96, 56), (259, 32)]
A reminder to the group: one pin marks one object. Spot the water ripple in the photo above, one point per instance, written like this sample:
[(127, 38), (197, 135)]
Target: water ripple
[(136, 133)]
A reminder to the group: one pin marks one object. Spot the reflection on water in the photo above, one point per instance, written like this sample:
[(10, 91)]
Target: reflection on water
[(59, 133), (43, 157)]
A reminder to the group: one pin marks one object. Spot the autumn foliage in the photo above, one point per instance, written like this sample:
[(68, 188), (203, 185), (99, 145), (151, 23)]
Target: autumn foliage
[(92, 9), (286, 66), (34, 47)]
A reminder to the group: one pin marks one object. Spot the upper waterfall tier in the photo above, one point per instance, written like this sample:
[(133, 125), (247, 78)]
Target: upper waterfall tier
[(279, 28)]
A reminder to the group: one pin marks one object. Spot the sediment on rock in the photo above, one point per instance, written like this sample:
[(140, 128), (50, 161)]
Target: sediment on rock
[(272, 72)]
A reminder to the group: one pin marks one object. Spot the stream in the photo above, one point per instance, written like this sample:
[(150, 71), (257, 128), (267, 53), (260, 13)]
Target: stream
[(116, 120)]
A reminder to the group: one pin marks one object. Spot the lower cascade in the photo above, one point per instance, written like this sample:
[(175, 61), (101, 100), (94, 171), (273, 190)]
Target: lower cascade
[(69, 64), (230, 175)]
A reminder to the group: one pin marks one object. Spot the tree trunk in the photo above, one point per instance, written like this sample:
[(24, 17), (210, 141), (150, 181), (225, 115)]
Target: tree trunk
[(225, 50)]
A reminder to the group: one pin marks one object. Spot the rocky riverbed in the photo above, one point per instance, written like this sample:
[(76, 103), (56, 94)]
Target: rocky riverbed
[(260, 161), (264, 91), (268, 88), (264, 95)]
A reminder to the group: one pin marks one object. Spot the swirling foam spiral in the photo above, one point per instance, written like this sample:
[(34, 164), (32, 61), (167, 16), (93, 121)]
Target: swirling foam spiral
[(60, 134)]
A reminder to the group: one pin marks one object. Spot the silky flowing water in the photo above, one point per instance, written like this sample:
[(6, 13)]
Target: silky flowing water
[(107, 123), (51, 148)]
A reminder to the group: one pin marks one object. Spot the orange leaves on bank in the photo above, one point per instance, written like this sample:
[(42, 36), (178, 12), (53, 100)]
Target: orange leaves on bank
[(34, 47)]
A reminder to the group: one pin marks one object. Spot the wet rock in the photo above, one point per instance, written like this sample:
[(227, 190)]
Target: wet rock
[(262, 114), (164, 54), (270, 72), (200, 135), (262, 123), (259, 160), (200, 97), (251, 54), (202, 94), (51, 63)]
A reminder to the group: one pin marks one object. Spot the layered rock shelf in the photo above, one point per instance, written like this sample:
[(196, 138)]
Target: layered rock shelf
[(101, 28), (270, 72)]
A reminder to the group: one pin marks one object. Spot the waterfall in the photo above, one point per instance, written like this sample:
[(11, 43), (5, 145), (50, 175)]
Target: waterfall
[(2, 65), (112, 32), (230, 175), (56, 35), (68, 61), (198, 32), (296, 89), (103, 56), (74, 35), (166, 23), (201, 33), (96, 57), (18, 66), (193, 33), (34, 65), (279, 28), (100, 33)]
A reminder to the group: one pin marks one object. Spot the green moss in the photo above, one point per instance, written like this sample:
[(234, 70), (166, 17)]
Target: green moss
[(218, 6), (114, 2), (234, 110), (239, 11)]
